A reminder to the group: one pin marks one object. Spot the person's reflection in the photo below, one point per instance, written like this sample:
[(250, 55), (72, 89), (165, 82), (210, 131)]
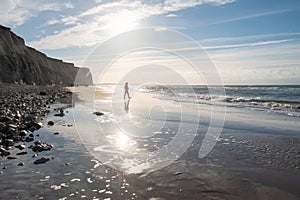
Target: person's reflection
[(126, 105)]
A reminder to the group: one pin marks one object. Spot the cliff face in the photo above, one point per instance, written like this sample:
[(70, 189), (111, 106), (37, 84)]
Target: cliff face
[(19, 63)]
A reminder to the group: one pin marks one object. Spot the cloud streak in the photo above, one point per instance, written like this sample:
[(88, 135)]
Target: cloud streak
[(245, 17), (253, 44)]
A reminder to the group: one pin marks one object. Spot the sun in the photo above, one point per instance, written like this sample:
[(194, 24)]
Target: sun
[(122, 22)]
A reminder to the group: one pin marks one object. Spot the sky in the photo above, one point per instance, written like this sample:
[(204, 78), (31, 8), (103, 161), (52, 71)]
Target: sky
[(248, 41)]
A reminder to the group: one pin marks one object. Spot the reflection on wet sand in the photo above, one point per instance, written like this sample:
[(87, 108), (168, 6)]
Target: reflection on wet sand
[(126, 105)]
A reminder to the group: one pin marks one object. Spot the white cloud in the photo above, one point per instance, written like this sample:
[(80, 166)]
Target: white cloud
[(69, 20), (15, 12), (175, 5), (105, 15), (52, 22), (10, 14), (81, 35), (68, 4), (171, 15)]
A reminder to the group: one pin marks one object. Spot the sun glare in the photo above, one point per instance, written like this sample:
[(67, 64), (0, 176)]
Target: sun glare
[(122, 22), (122, 140)]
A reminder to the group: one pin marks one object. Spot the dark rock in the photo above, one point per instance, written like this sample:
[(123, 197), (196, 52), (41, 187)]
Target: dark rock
[(41, 161), (11, 130), (8, 142), (21, 146), (43, 93), (11, 157), (98, 113), (21, 164), (35, 155), (23, 133), (3, 152), (50, 123), (32, 129), (59, 114), (3, 127), (29, 139), (56, 133), (40, 146), (12, 126), (5, 119), (33, 126), (38, 142)]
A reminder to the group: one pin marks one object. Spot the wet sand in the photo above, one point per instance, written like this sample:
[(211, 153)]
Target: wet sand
[(248, 162), (225, 174)]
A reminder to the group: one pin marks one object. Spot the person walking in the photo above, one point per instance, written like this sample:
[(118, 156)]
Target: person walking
[(126, 88)]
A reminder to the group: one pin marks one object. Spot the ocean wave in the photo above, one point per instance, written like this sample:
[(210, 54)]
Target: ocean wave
[(275, 99)]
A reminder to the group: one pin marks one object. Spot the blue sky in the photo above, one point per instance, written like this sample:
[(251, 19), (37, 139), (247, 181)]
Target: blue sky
[(249, 41)]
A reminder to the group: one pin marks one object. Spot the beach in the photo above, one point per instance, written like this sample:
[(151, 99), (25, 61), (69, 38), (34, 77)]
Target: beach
[(256, 156)]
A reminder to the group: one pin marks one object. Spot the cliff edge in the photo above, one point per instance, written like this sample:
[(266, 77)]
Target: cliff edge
[(22, 64)]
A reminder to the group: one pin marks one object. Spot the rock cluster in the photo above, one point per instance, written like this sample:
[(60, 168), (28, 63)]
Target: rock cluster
[(21, 111)]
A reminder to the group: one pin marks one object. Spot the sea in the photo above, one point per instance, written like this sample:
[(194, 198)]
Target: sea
[(277, 99)]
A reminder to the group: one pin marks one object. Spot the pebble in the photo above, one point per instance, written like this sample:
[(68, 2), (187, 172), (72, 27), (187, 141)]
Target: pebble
[(23, 133), (43, 93), (98, 113), (41, 161), (50, 123), (8, 142), (29, 139), (3, 152), (60, 114), (21, 146), (41, 146), (35, 155)]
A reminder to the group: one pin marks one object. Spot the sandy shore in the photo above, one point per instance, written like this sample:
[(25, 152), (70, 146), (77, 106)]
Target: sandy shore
[(247, 164)]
